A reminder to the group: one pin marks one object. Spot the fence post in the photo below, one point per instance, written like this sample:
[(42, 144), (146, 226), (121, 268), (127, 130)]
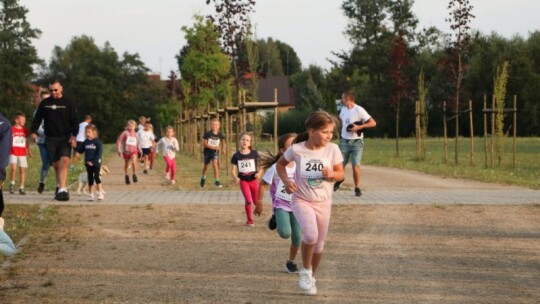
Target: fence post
[(472, 131), (445, 134), (485, 132), (515, 132), (492, 128)]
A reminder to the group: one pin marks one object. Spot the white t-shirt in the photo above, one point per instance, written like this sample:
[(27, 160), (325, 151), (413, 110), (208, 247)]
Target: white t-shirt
[(146, 138), (309, 164), (81, 136), (168, 147), (348, 116)]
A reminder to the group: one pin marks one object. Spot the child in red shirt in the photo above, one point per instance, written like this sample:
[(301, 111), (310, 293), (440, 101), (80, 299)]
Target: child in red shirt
[(127, 146), (19, 148)]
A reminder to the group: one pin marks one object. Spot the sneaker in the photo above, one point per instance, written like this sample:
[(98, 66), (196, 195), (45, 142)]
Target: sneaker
[(127, 180), (291, 267), (218, 184), (307, 282), (272, 224), (203, 180), (41, 187), (337, 184), (173, 182), (100, 196), (357, 192), (135, 178), (62, 196), (145, 171), (11, 188), (21, 191), (91, 197), (250, 225)]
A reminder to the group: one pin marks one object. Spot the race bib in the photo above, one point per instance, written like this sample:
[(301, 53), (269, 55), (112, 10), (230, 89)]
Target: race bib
[(19, 141), (281, 193), (246, 166), (214, 142), (131, 141), (313, 167)]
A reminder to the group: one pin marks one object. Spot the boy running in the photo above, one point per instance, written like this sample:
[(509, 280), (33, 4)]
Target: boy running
[(211, 143)]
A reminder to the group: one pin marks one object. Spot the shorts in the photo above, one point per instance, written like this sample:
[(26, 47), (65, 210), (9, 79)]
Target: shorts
[(146, 151), (210, 156), (21, 161), (58, 147), (128, 155), (352, 148)]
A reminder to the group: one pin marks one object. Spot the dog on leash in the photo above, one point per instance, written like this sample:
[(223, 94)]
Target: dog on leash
[(83, 179)]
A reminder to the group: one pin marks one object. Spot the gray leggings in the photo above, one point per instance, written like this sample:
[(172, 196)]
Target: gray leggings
[(287, 226)]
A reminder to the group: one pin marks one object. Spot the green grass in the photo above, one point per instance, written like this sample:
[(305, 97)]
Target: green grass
[(382, 152)]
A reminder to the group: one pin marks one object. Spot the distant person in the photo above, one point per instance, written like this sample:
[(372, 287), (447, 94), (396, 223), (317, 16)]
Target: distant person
[(81, 135), (6, 244), (142, 122), (93, 151), (147, 141), (283, 217), (245, 172), (127, 146), (168, 146), (42, 147), (354, 119), (318, 164), (20, 149), (213, 141), (59, 116)]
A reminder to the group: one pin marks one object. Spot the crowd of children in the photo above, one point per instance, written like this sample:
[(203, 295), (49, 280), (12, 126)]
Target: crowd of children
[(300, 177)]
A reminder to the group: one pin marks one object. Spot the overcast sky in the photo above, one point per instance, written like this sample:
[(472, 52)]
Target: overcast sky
[(314, 28)]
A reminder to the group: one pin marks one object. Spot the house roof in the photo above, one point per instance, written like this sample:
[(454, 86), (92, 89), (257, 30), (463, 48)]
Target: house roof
[(281, 83)]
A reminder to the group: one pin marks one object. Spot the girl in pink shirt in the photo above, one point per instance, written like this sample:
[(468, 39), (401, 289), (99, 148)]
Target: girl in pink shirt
[(318, 164), (128, 146)]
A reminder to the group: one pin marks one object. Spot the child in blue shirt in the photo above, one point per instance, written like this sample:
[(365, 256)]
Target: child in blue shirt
[(93, 150)]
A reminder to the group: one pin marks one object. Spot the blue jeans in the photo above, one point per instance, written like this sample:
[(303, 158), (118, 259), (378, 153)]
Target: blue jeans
[(352, 149), (6, 244), (45, 162)]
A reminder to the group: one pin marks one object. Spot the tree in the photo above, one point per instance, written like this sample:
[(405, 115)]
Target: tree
[(17, 55), (499, 85), (112, 89), (232, 23), (460, 12), (204, 68), (308, 96), (289, 59), (269, 56), (400, 84)]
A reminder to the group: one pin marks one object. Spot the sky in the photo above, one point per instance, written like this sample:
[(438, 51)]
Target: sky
[(314, 28)]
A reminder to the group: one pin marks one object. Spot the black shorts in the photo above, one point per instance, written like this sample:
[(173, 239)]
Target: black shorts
[(58, 147), (209, 156), (146, 151)]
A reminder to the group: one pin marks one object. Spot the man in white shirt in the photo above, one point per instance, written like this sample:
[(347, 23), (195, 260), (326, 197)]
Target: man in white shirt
[(354, 119), (81, 136)]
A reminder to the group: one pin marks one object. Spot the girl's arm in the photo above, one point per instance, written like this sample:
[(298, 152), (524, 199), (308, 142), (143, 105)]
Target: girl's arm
[(119, 142), (290, 186), (234, 174), (336, 174)]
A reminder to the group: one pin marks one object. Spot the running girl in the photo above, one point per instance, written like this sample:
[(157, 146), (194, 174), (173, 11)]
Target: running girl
[(318, 164), (245, 173), (93, 150), (127, 146), (287, 226), (168, 145)]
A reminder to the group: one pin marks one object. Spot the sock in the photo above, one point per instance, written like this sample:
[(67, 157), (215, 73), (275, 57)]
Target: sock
[(62, 190), (12, 182)]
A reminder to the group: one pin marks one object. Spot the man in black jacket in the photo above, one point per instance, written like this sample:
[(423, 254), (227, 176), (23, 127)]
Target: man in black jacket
[(61, 125)]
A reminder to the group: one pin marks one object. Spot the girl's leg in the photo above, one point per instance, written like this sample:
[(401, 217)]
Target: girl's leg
[(134, 163), (126, 165), (23, 177), (173, 168), (244, 187), (323, 211), (296, 236), (283, 223), (90, 175)]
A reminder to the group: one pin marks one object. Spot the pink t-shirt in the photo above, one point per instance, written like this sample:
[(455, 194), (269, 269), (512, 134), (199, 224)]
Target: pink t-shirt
[(280, 198), (309, 164)]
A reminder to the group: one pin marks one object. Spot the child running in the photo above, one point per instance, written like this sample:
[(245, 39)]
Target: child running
[(287, 226), (93, 150), (212, 141), (148, 141), (168, 145), (127, 146), (318, 164), (19, 149), (245, 173)]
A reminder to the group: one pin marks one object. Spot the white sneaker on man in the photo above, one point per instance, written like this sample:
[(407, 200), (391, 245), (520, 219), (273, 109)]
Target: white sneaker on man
[(307, 282)]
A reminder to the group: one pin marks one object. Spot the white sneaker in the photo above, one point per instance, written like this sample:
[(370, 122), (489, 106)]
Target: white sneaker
[(307, 282), (91, 197), (100, 196)]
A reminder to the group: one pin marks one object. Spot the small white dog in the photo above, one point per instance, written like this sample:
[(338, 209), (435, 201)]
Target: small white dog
[(83, 179)]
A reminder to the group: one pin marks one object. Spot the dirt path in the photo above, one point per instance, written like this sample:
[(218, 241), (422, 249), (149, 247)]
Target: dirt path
[(202, 253)]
